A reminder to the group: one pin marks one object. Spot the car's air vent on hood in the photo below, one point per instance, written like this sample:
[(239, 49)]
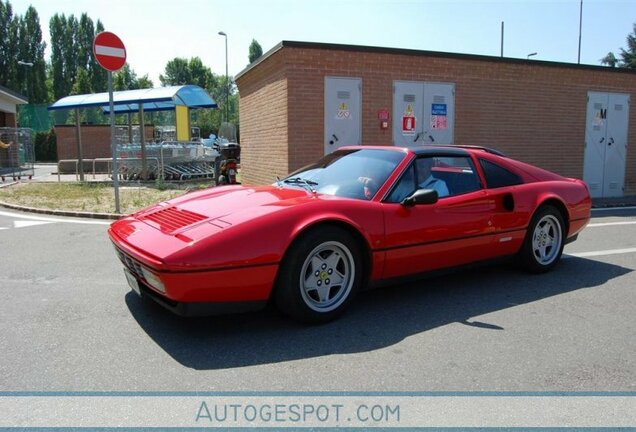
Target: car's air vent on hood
[(173, 218)]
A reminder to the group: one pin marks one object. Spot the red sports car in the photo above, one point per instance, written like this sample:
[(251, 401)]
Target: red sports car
[(358, 216)]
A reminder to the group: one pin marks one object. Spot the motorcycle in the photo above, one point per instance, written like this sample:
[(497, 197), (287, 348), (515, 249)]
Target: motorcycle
[(226, 165)]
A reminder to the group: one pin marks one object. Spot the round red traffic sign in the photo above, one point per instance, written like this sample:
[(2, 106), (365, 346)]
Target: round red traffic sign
[(109, 51)]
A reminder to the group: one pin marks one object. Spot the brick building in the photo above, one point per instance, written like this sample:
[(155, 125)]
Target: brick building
[(301, 100), (9, 100), (95, 140)]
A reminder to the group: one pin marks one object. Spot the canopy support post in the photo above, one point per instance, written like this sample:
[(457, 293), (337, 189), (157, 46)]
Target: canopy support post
[(78, 139), (142, 138)]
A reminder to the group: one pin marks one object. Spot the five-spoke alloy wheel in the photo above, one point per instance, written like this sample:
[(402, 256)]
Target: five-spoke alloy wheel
[(544, 243), (319, 275)]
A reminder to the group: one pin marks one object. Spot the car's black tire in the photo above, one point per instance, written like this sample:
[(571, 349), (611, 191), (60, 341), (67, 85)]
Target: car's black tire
[(319, 276), (543, 245)]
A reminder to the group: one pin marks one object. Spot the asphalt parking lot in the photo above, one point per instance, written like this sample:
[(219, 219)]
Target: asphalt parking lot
[(68, 322)]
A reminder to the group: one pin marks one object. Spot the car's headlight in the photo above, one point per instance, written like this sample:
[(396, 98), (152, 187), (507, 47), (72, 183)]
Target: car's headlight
[(153, 280)]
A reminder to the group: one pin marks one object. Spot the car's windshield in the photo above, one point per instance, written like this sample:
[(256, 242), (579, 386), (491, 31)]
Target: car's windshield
[(348, 173)]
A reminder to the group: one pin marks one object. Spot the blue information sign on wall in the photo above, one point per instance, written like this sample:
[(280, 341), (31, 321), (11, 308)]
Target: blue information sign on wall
[(439, 109)]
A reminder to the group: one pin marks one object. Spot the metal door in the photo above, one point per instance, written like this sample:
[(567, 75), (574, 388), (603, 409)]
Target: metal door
[(423, 113), (408, 102), (606, 143), (439, 112), (342, 112)]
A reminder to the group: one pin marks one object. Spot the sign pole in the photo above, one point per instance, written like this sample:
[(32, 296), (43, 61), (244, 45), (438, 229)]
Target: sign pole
[(110, 53), (113, 145)]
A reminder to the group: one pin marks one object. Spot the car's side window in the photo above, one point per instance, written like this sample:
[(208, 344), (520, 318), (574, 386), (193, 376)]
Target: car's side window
[(449, 176), (404, 187), (498, 176)]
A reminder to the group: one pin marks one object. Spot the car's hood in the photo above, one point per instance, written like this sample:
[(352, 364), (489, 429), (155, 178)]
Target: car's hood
[(226, 205), (167, 231)]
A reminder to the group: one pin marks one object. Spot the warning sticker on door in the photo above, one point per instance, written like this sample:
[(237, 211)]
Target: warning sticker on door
[(408, 121), (343, 112), (439, 116), (600, 115)]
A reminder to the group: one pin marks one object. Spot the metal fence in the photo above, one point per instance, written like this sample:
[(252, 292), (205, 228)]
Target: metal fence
[(169, 160), (17, 153)]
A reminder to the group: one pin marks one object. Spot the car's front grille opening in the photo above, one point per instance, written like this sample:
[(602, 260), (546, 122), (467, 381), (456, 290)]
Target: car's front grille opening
[(131, 264)]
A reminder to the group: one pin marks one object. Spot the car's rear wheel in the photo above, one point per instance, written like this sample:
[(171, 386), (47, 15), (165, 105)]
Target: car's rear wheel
[(544, 243), (319, 276)]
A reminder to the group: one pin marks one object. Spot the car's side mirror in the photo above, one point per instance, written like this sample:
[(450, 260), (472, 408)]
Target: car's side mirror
[(421, 196)]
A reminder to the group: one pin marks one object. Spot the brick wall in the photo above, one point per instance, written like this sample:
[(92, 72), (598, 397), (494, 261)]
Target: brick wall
[(7, 119), (95, 141), (264, 123), (530, 110)]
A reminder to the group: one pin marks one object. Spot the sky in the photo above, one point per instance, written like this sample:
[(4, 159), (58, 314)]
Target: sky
[(156, 31)]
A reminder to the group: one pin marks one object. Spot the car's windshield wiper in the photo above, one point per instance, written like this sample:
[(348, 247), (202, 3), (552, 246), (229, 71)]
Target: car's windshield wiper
[(307, 184)]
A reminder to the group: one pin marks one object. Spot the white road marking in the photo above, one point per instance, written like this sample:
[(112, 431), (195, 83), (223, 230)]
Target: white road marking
[(611, 224), (23, 224), (601, 253), (49, 219)]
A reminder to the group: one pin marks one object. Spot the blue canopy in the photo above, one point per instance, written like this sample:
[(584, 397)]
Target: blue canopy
[(128, 101)]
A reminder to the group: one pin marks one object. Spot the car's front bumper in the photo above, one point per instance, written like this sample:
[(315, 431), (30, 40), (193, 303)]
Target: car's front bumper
[(193, 309), (209, 292)]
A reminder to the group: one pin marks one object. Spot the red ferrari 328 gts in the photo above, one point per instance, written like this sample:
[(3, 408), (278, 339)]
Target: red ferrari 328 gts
[(358, 216)]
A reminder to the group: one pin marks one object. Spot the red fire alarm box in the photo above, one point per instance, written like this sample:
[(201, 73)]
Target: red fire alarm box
[(383, 116)]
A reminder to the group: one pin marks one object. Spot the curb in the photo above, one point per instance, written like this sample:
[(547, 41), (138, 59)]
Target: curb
[(111, 216)]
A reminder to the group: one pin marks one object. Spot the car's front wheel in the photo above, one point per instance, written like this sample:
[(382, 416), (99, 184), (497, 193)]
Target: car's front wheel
[(544, 241), (319, 276)]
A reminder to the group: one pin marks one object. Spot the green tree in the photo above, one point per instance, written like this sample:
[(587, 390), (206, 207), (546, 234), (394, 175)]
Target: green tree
[(6, 19), (57, 26), (609, 60), (628, 56), (144, 82), (82, 84), (99, 75), (84, 39), (255, 51), (126, 79), (199, 74), (180, 71), (176, 72), (31, 50), (11, 51), (72, 51)]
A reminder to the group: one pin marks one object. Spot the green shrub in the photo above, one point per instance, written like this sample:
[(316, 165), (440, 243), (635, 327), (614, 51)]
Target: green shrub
[(45, 146)]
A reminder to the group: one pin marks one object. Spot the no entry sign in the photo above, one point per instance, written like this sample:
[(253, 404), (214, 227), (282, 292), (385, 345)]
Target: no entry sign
[(109, 51)]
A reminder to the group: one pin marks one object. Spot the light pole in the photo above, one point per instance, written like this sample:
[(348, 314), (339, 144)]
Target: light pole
[(580, 30), (26, 77), (227, 82), (531, 54)]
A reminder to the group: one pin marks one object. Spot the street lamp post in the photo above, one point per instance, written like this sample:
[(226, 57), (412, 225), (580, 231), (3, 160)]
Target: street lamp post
[(531, 54), (26, 81), (227, 82)]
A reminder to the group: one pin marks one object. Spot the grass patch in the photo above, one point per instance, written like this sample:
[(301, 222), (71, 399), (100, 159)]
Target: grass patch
[(91, 197)]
